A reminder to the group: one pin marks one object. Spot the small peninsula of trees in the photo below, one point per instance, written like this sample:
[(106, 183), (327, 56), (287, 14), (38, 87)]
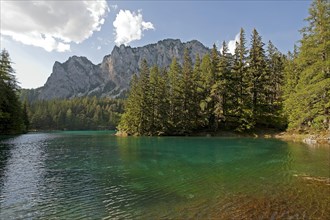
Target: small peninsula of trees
[(253, 88), (220, 91), (13, 116)]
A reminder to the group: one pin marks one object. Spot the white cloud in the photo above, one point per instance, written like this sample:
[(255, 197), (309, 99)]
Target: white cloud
[(128, 26), (232, 44), (63, 47), (52, 25), (99, 48)]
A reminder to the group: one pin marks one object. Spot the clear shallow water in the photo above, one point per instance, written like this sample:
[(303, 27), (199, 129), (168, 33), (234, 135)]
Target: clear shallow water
[(95, 175)]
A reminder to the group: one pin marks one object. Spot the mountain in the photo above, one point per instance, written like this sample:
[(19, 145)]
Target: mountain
[(79, 77)]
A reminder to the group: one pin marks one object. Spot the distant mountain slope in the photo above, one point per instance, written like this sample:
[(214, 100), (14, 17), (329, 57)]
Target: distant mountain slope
[(79, 77)]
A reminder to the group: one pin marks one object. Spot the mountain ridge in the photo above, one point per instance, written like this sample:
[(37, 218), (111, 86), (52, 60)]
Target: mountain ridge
[(79, 77)]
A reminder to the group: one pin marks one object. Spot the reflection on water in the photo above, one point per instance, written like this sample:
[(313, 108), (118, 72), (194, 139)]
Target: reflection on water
[(97, 175)]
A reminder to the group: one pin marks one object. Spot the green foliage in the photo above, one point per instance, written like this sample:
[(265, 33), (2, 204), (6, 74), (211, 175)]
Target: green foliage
[(221, 91), (144, 103), (206, 102), (75, 114), (187, 91), (25, 116), (159, 101), (307, 73), (240, 109), (11, 118), (129, 121), (257, 76), (174, 86)]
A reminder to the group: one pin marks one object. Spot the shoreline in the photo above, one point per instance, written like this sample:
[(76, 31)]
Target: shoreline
[(310, 138)]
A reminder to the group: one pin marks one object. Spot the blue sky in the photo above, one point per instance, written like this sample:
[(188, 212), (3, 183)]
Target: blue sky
[(53, 31)]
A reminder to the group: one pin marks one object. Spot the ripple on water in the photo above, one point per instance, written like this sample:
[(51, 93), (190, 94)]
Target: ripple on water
[(97, 176)]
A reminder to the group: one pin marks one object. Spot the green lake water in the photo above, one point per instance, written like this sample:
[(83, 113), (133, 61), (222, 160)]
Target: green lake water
[(96, 175)]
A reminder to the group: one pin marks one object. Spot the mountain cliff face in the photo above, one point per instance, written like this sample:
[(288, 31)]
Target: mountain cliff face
[(80, 77)]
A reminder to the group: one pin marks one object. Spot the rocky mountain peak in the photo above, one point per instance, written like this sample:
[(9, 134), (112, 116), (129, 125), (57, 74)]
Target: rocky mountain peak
[(78, 76)]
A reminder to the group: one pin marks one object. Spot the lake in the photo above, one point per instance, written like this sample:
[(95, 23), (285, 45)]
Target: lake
[(96, 175)]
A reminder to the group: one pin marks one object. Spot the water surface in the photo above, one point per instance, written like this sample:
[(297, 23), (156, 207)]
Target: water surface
[(95, 175)]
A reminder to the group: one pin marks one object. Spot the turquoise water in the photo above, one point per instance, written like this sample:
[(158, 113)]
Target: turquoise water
[(95, 175)]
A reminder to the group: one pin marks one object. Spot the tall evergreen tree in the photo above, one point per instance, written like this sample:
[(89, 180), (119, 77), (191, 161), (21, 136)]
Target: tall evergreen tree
[(153, 85), (273, 112), (198, 94), (158, 101), (130, 120), (275, 69), (214, 72), (145, 106), (175, 97), (10, 107), (188, 93), (240, 75), (257, 77), (308, 104), (291, 74), (214, 63), (206, 104), (220, 88)]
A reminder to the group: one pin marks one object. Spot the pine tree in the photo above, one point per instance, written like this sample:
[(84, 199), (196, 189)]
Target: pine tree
[(153, 85), (175, 98), (275, 69), (214, 62), (144, 90), (308, 104), (187, 93), (220, 89), (206, 84), (257, 78), (212, 77), (291, 73), (130, 120), (273, 113), (10, 106), (241, 97), (162, 103), (198, 94), (158, 101)]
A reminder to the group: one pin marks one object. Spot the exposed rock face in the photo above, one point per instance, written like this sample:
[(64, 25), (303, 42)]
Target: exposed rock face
[(74, 78), (80, 77)]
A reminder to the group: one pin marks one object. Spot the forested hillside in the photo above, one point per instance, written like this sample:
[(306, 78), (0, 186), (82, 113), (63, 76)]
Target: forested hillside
[(75, 114), (257, 87)]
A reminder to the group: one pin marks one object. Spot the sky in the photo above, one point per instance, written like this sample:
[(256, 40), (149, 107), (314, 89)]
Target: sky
[(38, 33)]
